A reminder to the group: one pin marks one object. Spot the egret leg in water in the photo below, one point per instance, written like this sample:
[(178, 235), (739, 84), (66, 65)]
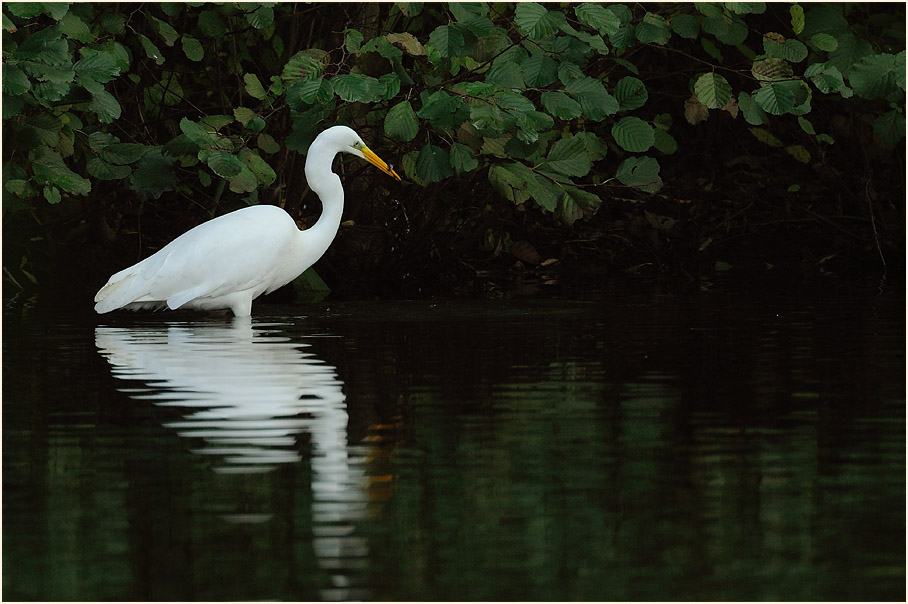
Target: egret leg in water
[(231, 260)]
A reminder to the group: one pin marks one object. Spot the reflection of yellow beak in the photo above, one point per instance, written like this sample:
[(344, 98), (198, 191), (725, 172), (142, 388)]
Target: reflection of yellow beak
[(378, 162)]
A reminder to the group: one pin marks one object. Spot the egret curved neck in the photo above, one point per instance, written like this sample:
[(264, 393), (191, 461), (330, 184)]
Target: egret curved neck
[(327, 185)]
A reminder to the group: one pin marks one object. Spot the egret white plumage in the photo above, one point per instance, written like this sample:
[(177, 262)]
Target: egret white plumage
[(231, 260)]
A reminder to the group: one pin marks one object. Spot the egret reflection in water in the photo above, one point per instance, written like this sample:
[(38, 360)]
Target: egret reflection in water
[(250, 392)]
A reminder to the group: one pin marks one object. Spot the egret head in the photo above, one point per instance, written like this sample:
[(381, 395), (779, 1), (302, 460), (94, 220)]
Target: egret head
[(349, 141)]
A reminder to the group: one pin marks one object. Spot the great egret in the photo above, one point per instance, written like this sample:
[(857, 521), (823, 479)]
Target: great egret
[(230, 260)]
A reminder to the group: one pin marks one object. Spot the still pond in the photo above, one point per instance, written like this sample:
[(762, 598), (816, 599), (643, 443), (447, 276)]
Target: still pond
[(736, 443)]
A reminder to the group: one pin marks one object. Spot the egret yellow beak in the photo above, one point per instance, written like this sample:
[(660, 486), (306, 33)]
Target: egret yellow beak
[(378, 162)]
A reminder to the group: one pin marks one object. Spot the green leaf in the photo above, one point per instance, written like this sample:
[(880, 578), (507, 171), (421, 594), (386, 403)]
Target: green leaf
[(164, 29), (124, 153), (439, 104), (354, 87), (713, 90), (598, 17), (261, 17), (25, 10), (302, 66), (569, 156), (724, 27), (775, 98), (889, 129), (535, 21), (102, 170), (568, 72), (448, 40), (790, 50), (487, 117), (401, 122), (196, 133), (224, 164), (753, 113), (120, 54), (15, 82), (254, 87), (47, 128), (45, 46), (212, 24), (799, 152), (824, 42), (243, 114), (630, 93), (151, 50), (12, 106), (318, 91), (560, 105), (641, 173), (685, 26), (711, 49), (765, 137), (539, 70), (746, 8), (595, 102), (543, 191), (506, 74), (462, 158), (113, 23), (596, 148), (243, 181), (568, 211), (573, 202), (100, 67), (49, 169), (19, 187), (797, 18), (390, 84), (806, 126), (633, 134), (266, 143), (153, 175), (433, 164), (75, 28), (105, 106), (653, 29), (508, 184), (48, 73), (192, 48), (353, 39), (259, 167), (52, 194), (827, 78), (664, 142), (875, 76), (513, 101)]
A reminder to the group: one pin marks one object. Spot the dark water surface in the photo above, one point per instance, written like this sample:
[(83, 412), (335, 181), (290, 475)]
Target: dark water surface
[(726, 445)]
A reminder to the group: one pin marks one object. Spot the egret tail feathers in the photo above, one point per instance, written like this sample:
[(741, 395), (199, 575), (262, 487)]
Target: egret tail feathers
[(117, 294)]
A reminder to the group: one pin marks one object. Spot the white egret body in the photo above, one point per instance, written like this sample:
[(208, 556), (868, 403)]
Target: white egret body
[(230, 260)]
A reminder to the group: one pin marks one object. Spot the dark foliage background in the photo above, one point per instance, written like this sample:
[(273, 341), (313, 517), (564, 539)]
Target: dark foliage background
[(536, 140)]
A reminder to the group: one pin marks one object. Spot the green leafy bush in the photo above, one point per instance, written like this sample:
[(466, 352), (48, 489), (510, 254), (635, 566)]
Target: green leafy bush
[(546, 104)]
